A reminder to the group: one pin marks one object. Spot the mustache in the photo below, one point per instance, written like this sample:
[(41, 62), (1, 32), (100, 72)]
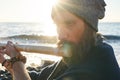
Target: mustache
[(66, 47), (60, 43)]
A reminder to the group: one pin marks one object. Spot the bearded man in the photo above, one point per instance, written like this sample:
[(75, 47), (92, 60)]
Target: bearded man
[(85, 56)]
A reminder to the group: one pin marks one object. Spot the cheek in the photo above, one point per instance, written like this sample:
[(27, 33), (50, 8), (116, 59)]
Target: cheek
[(76, 35)]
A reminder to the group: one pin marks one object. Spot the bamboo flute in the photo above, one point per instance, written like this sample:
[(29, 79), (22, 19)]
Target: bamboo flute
[(50, 50)]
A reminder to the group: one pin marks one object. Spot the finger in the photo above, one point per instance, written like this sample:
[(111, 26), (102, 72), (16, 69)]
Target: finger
[(12, 45), (11, 49), (3, 51), (9, 43), (2, 47), (1, 58)]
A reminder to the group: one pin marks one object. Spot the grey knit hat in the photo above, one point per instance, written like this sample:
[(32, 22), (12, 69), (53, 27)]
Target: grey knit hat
[(89, 10)]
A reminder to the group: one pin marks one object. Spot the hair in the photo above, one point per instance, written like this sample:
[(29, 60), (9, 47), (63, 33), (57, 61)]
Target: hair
[(88, 41)]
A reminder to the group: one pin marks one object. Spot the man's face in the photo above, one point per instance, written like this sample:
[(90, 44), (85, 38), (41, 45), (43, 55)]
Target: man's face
[(69, 27)]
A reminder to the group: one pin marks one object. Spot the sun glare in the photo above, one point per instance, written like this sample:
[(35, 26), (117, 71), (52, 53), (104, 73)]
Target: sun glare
[(49, 30), (53, 2)]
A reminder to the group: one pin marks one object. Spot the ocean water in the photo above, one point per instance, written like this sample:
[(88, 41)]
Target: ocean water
[(111, 31), (35, 34)]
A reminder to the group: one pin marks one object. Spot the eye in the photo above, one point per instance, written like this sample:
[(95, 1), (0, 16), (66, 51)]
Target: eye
[(70, 23)]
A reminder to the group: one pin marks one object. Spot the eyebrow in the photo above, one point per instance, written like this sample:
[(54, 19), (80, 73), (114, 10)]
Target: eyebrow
[(69, 21)]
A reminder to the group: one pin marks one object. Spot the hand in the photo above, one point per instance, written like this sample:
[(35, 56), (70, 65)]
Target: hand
[(2, 54), (11, 49), (2, 58)]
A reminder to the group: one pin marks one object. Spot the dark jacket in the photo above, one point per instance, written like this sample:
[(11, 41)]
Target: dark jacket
[(100, 64)]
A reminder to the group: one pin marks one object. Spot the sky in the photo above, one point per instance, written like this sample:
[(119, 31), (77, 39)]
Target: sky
[(112, 11), (39, 10)]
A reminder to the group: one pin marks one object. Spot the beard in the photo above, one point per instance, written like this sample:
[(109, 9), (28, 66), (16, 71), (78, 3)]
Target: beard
[(76, 53), (72, 53)]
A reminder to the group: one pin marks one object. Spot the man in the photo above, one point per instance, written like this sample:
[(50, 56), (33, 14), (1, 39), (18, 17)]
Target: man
[(85, 57)]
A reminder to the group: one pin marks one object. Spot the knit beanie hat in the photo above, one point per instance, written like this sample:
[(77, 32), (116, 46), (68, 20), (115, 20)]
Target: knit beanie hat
[(89, 10)]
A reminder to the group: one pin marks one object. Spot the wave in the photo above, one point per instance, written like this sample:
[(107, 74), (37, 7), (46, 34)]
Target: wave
[(112, 37), (45, 39), (31, 38)]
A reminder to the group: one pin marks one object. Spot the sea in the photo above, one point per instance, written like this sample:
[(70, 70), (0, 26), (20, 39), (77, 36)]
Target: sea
[(45, 34)]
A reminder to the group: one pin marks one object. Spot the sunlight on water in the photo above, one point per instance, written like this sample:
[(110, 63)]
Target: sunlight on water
[(37, 59), (30, 35), (49, 30)]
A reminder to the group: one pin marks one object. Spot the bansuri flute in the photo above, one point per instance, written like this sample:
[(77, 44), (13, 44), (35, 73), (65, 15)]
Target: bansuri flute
[(50, 50)]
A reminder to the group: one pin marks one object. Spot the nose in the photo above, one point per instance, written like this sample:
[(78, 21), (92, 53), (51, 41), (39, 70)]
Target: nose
[(62, 33)]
